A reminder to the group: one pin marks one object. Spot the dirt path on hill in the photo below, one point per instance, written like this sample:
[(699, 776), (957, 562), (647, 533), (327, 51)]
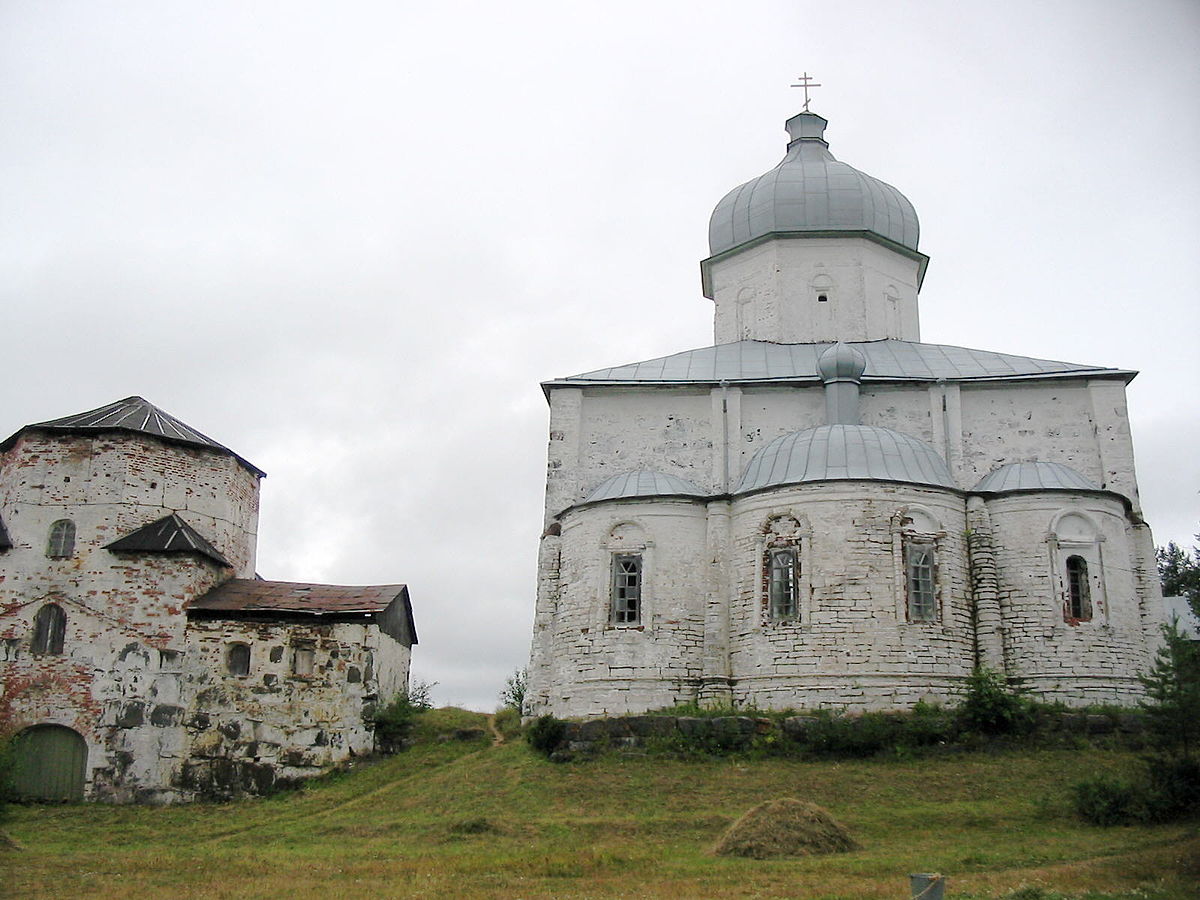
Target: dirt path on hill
[(497, 737)]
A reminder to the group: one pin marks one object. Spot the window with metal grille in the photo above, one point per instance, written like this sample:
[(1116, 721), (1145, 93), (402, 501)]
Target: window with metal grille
[(919, 562), (237, 659), (62, 539), (627, 589), (1079, 593), (783, 569), (49, 629)]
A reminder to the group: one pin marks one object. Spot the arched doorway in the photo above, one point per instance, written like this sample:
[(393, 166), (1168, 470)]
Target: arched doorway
[(51, 763)]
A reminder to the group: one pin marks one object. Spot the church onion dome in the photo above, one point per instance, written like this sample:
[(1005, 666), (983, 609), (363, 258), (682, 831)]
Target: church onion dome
[(645, 483), (841, 362), (1034, 476), (810, 191), (844, 452), (136, 415)]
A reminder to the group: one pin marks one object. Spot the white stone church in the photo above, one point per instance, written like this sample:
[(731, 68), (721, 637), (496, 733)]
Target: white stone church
[(820, 510)]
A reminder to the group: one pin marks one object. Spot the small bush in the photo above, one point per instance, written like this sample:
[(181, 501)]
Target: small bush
[(545, 733), (394, 723), (1172, 788), (992, 706), (1105, 800)]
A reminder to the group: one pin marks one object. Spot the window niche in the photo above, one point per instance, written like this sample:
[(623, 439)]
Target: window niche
[(49, 630), (917, 540), (61, 543), (782, 592), (628, 556), (237, 659), (304, 657), (1077, 552)]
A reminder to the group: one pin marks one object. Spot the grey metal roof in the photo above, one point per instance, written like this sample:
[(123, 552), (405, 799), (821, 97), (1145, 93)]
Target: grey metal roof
[(887, 360), (811, 191), (1034, 476), (645, 483), (137, 415), (839, 452), (170, 534)]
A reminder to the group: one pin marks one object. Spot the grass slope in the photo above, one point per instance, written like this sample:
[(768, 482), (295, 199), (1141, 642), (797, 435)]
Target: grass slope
[(468, 819)]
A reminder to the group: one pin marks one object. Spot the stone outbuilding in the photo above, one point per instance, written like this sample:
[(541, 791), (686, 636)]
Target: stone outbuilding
[(821, 510), (141, 658)]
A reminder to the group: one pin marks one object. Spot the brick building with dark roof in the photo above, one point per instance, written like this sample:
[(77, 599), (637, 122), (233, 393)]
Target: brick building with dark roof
[(141, 658)]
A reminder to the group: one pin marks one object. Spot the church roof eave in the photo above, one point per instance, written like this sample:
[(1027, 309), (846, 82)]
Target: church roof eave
[(706, 264), (764, 362)]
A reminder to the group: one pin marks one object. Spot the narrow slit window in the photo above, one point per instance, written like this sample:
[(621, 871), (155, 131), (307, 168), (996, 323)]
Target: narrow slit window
[(49, 630), (782, 576), (627, 589), (61, 544), (922, 591), (1079, 594)]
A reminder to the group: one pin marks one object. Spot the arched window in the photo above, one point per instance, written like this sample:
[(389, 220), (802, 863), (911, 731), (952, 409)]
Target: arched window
[(49, 629), (627, 547), (1078, 561), (237, 659), (1079, 593), (62, 539), (920, 535)]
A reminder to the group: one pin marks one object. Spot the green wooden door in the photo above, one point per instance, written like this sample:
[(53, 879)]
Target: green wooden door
[(50, 763)]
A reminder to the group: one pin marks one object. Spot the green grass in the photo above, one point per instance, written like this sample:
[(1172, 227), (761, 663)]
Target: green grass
[(466, 819)]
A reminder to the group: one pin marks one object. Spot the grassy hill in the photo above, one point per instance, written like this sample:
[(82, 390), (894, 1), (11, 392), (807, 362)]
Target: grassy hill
[(455, 818)]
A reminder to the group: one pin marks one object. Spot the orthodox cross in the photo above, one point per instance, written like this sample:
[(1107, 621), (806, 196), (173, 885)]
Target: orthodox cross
[(806, 82)]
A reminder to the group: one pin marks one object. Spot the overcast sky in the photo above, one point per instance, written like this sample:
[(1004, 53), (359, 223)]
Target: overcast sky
[(349, 239)]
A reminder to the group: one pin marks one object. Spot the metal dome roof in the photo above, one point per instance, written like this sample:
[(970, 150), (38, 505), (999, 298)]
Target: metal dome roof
[(645, 483), (844, 452), (1034, 476), (811, 191)]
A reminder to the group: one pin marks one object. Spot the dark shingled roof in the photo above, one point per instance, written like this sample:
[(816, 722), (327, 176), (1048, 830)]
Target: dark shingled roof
[(169, 534), (248, 597), (137, 415), (5, 541)]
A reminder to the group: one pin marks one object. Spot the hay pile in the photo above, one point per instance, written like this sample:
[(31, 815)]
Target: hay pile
[(785, 827)]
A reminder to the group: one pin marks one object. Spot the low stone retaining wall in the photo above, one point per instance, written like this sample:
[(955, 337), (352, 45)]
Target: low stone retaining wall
[(736, 733)]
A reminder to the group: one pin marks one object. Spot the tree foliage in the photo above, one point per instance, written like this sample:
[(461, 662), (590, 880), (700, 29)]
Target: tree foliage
[(1172, 703), (513, 695), (1179, 572)]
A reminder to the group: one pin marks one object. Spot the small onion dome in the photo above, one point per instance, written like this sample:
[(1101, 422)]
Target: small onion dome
[(810, 191), (841, 362), (643, 484), (844, 452), (1034, 476)]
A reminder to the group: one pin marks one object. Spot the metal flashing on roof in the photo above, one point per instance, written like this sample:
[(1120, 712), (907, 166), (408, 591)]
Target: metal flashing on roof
[(844, 452), (1034, 476), (169, 534), (887, 360), (137, 415), (644, 483)]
